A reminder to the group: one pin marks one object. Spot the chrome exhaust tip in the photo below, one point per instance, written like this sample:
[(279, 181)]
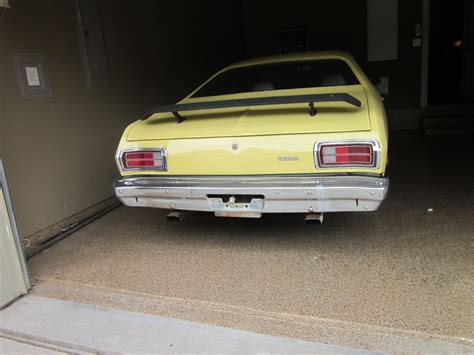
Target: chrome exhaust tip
[(314, 218), (176, 216)]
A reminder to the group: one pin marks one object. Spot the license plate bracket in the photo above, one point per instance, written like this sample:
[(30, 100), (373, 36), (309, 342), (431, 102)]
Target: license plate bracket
[(237, 203)]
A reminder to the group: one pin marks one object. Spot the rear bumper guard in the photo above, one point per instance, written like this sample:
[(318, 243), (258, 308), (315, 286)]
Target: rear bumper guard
[(267, 194)]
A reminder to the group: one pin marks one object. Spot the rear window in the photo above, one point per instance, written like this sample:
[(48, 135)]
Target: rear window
[(280, 76)]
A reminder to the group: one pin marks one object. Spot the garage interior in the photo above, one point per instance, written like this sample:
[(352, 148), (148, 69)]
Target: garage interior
[(360, 280)]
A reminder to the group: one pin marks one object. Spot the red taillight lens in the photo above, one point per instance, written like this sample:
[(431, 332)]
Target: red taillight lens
[(143, 159), (346, 155)]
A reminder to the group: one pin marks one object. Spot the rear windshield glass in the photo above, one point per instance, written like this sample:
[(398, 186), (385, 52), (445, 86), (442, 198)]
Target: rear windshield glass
[(280, 76)]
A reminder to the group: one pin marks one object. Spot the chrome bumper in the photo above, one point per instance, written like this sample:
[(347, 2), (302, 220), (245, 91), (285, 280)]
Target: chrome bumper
[(269, 194)]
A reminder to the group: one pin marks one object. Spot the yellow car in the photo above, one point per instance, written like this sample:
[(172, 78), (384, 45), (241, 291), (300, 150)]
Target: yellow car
[(299, 133)]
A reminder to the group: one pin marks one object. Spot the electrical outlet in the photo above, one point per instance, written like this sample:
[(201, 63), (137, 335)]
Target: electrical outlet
[(416, 42)]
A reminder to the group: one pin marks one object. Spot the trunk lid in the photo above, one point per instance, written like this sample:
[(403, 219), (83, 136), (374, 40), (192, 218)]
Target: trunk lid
[(260, 120)]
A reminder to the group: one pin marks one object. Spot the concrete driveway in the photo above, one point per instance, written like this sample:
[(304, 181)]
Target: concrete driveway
[(405, 269)]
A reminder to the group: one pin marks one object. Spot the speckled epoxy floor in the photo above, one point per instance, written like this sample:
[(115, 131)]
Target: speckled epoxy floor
[(400, 267)]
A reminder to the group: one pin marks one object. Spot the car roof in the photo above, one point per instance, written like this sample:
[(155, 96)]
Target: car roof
[(294, 57)]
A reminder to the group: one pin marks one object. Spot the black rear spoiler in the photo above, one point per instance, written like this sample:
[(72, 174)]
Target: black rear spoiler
[(260, 101)]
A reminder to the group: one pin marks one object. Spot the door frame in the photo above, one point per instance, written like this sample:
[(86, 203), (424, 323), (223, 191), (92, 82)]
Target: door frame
[(14, 228), (425, 52)]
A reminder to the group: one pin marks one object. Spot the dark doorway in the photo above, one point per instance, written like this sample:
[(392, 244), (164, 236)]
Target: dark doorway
[(451, 72)]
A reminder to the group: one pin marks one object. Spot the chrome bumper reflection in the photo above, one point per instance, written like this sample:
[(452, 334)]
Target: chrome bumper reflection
[(269, 194)]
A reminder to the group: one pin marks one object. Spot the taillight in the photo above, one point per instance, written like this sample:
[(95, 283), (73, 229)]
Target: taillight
[(346, 155), (143, 159)]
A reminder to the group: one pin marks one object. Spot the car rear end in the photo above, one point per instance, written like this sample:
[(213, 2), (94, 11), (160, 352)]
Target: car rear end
[(247, 161)]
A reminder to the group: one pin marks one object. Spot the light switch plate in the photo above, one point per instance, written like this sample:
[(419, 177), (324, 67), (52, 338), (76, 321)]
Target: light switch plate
[(31, 76), (418, 29)]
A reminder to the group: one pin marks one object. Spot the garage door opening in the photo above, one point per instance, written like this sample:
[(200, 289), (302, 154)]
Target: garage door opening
[(397, 277)]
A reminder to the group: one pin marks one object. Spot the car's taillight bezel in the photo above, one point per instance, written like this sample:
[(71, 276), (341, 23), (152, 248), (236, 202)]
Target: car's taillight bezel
[(122, 167), (375, 149)]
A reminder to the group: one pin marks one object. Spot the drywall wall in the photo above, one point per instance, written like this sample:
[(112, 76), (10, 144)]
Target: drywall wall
[(59, 150)]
